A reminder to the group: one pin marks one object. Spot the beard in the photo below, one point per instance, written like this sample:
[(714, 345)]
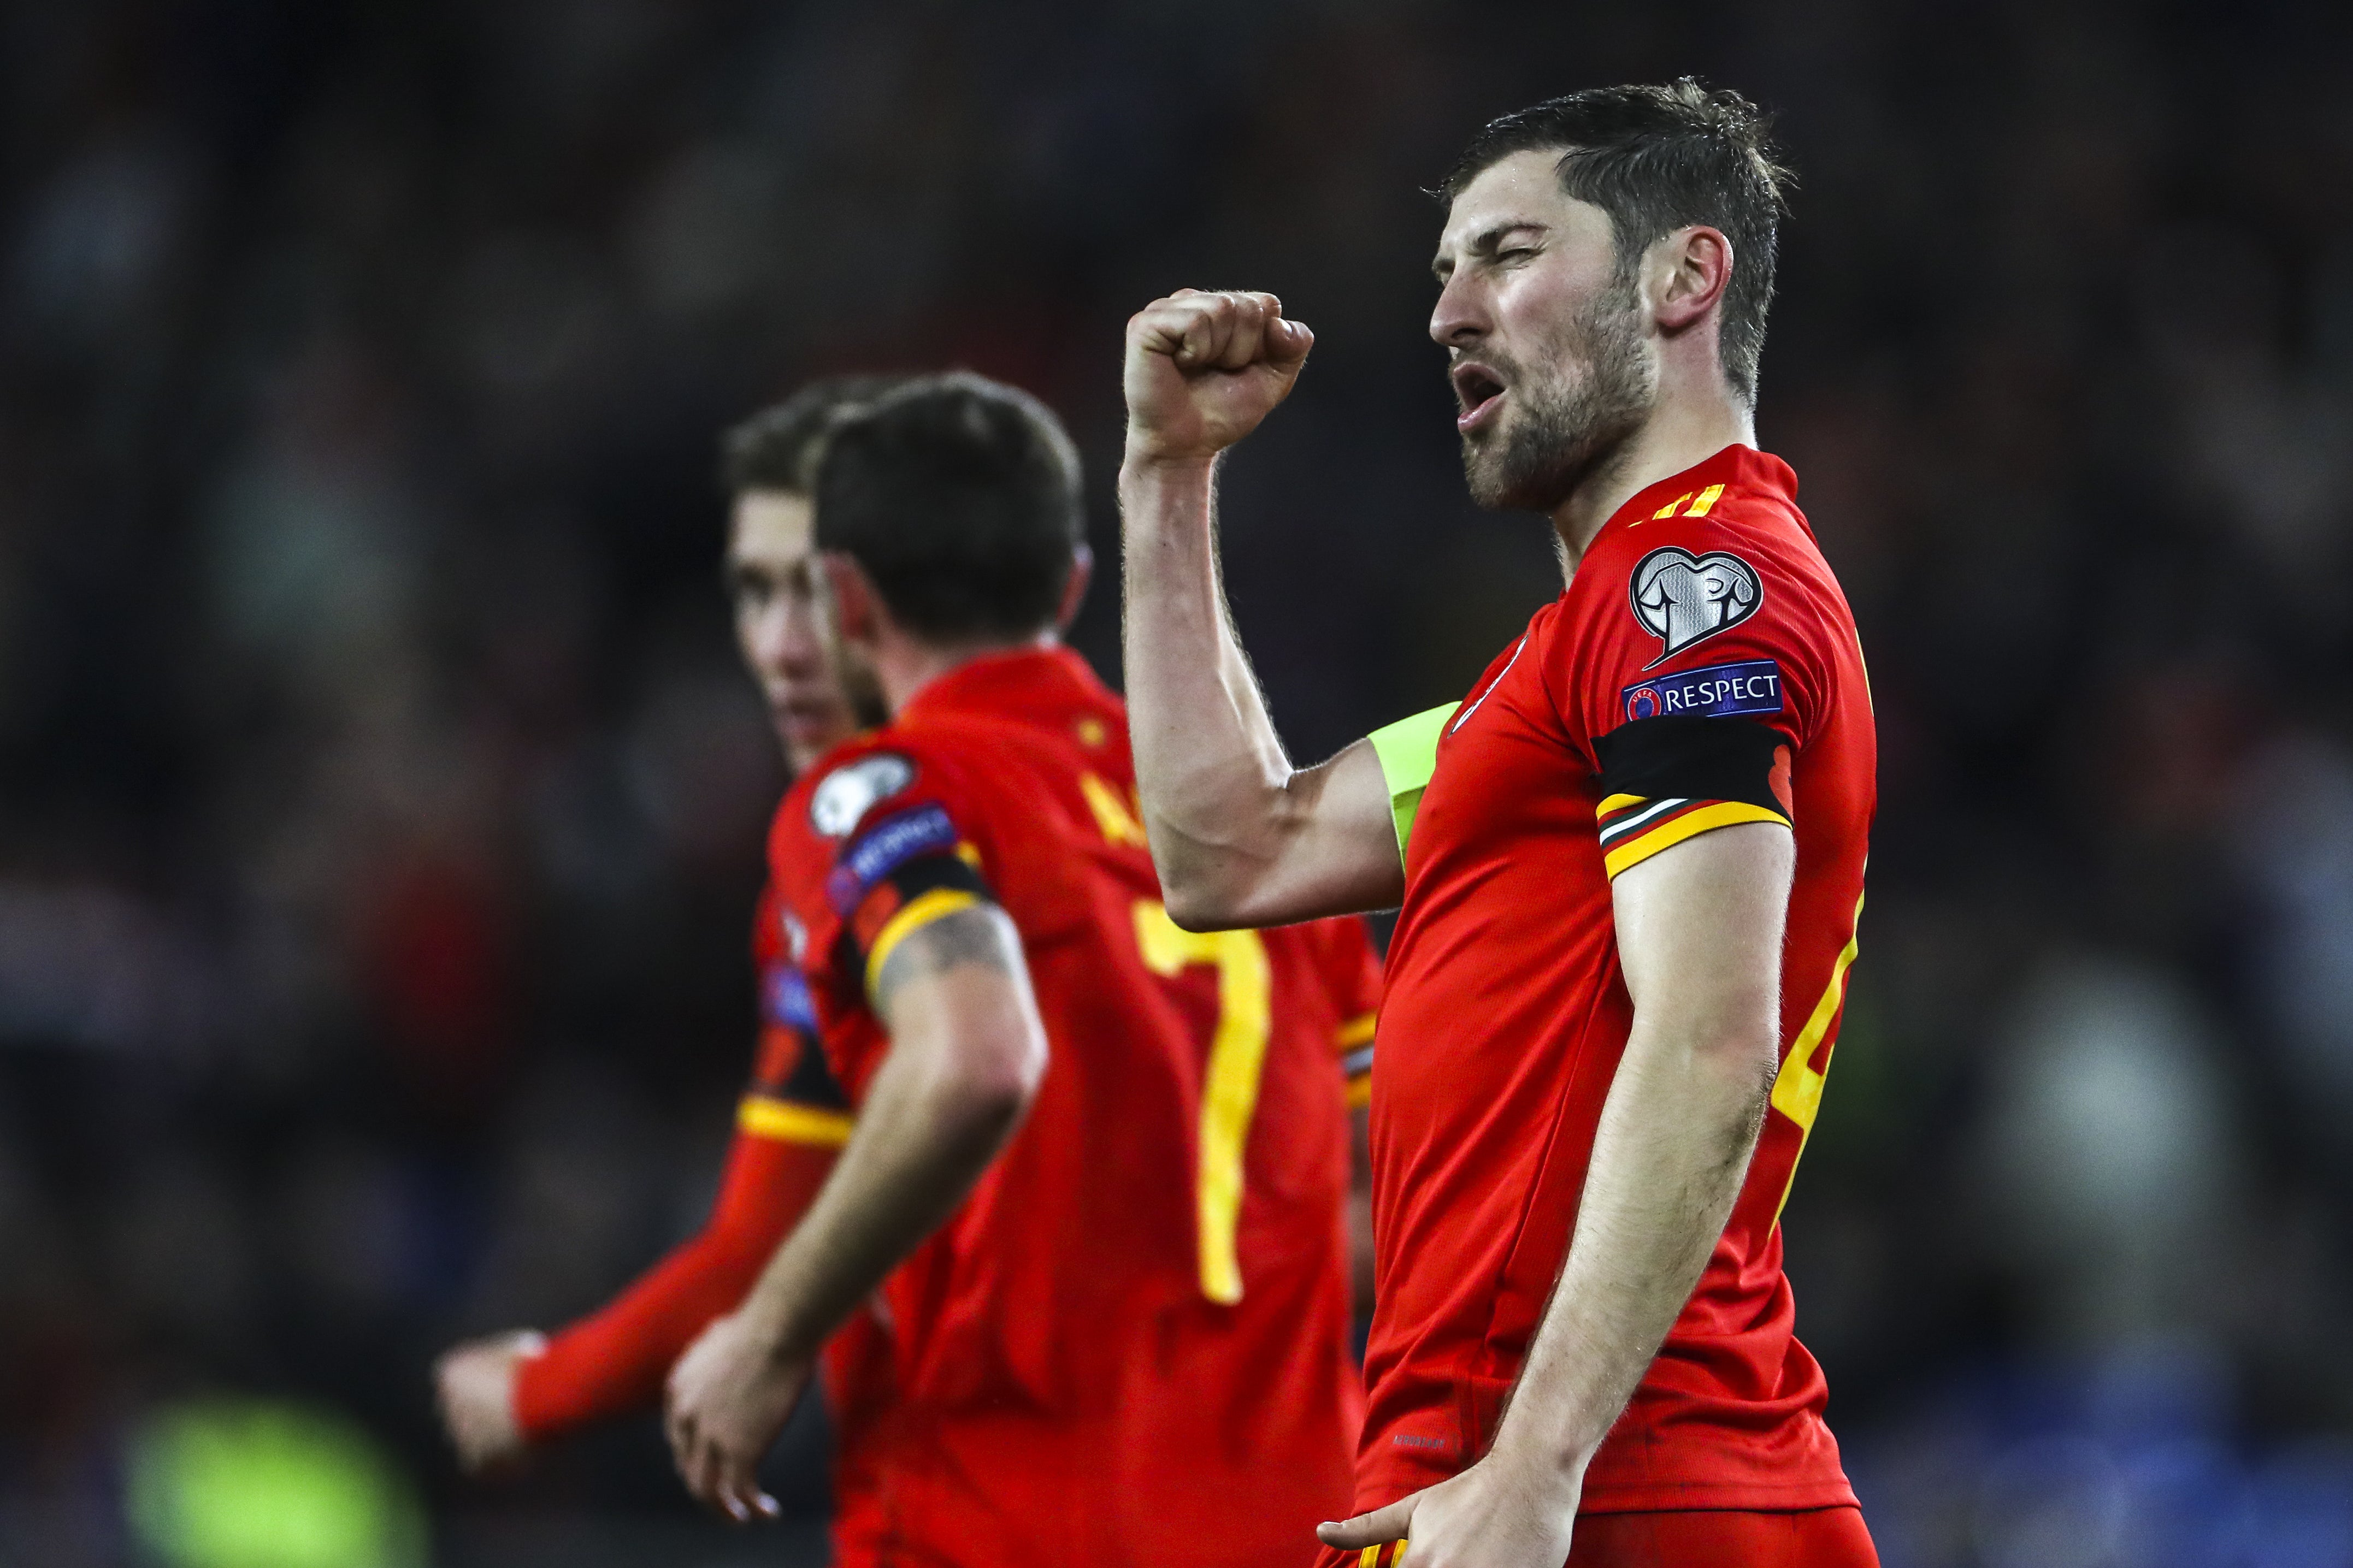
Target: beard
[(1562, 431), (861, 685)]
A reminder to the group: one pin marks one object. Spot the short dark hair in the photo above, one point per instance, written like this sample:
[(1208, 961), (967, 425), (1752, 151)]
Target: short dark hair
[(1657, 159), (959, 495), (777, 449)]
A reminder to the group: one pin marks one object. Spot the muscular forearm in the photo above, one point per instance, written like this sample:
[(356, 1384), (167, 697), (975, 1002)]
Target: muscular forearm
[(920, 1145), (1668, 1159), (1241, 837), (967, 1056), (1213, 777)]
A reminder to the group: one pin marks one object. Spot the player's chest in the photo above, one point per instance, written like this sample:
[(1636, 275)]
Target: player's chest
[(1510, 779)]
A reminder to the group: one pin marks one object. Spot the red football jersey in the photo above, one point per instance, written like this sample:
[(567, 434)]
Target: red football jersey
[(1139, 1319), (1701, 669)]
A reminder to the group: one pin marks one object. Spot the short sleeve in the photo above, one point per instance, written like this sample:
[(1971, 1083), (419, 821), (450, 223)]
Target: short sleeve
[(878, 851), (1699, 689), (793, 1097)]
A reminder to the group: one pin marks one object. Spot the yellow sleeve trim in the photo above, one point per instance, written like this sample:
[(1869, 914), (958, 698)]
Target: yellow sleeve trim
[(790, 1123), (1407, 750), (1360, 1091), (1690, 825), (1618, 803), (922, 912), (1356, 1031)]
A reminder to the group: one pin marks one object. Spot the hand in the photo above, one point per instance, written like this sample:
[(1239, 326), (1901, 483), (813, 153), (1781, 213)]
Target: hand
[(1496, 1514), (475, 1383), (729, 1396), (1203, 369)]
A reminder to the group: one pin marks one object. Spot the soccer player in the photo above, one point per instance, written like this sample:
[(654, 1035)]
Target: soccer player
[(1092, 1202), (503, 1394), (1631, 861)]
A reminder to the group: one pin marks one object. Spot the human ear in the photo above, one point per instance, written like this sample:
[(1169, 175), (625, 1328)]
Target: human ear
[(1690, 268), (847, 601)]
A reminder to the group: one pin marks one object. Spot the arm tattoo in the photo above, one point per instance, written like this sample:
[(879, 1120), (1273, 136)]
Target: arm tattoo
[(981, 934)]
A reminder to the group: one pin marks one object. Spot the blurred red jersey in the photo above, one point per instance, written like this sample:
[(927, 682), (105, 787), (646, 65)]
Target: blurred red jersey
[(1701, 669), (1139, 1319)]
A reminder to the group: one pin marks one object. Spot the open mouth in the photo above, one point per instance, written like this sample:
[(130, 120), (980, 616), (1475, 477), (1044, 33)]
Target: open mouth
[(1478, 391)]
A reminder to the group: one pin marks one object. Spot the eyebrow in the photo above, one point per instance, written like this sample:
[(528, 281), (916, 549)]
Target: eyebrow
[(1486, 242)]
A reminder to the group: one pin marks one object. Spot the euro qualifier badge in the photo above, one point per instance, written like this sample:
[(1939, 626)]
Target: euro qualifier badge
[(1682, 598), (841, 801)]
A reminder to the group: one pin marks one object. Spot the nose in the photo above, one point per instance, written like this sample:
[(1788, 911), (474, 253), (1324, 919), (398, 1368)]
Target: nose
[(799, 650), (779, 640), (1459, 318)]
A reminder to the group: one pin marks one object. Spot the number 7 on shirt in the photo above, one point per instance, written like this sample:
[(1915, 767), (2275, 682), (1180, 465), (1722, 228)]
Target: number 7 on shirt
[(1229, 1086)]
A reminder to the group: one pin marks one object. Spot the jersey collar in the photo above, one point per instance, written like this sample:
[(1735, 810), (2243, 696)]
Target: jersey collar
[(1737, 466), (1011, 681)]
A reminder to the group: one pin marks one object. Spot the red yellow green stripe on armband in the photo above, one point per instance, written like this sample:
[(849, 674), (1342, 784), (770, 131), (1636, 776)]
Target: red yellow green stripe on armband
[(789, 1122), (1634, 827)]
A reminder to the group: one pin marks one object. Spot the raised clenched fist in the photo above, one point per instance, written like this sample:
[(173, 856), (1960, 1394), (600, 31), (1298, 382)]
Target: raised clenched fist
[(1204, 368)]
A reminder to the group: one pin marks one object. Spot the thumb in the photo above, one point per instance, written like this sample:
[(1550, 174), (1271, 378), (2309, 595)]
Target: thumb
[(1374, 1529)]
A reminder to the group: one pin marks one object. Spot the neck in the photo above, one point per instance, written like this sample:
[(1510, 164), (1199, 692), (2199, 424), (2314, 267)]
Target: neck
[(903, 667), (1680, 432)]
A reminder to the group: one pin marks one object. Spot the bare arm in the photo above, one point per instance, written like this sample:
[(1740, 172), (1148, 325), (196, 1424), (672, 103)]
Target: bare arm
[(968, 1051), (1699, 935), (1241, 837)]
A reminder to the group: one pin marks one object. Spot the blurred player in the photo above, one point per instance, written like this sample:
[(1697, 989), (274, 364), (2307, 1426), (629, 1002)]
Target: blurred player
[(501, 1395), (1630, 862), (1092, 1197)]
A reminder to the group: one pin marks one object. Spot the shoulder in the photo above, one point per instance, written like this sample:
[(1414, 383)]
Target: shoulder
[(857, 783), (843, 794), (1671, 585), (868, 833), (835, 806)]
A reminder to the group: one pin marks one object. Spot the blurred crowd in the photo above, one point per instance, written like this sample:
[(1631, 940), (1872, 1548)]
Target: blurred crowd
[(381, 809)]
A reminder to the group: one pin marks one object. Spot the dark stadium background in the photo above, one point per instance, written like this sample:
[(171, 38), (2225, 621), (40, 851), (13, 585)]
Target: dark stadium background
[(380, 809)]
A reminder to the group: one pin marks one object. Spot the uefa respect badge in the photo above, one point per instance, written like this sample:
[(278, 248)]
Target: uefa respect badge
[(1718, 692)]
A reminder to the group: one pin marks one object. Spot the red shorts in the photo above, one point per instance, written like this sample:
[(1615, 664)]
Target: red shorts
[(1710, 1538)]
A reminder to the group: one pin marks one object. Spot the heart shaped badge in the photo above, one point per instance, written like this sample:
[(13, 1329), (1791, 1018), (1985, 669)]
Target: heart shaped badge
[(1682, 598)]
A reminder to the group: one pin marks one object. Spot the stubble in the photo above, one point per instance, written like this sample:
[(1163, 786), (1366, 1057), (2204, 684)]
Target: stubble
[(1567, 429)]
